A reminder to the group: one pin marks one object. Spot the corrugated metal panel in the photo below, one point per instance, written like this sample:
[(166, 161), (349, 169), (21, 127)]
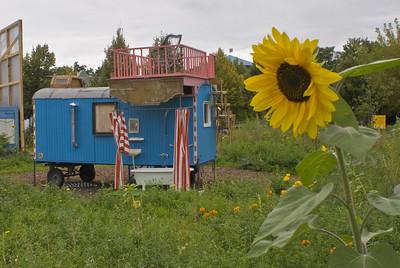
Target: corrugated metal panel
[(206, 135), (53, 131), (72, 93), (157, 128)]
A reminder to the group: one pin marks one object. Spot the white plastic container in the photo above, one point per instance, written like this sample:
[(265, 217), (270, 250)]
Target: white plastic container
[(154, 176)]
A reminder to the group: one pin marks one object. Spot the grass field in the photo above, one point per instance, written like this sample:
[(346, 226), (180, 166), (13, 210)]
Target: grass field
[(46, 227)]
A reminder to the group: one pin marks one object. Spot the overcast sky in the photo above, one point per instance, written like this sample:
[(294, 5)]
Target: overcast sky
[(79, 30)]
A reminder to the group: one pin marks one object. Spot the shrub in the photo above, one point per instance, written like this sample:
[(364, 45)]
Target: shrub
[(259, 147), (4, 149)]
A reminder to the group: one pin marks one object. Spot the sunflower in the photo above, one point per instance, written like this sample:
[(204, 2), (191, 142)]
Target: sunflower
[(293, 87)]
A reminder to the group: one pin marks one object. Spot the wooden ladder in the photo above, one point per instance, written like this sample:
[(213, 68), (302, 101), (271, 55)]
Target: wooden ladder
[(225, 118)]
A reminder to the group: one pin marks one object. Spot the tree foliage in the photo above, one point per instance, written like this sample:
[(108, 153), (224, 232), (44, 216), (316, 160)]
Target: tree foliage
[(103, 73), (38, 67), (377, 93), (232, 81)]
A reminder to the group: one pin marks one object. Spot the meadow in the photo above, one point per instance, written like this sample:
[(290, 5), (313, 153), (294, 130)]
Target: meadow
[(48, 227)]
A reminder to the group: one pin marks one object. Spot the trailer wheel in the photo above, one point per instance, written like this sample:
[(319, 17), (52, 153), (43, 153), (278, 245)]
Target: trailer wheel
[(87, 173), (55, 177)]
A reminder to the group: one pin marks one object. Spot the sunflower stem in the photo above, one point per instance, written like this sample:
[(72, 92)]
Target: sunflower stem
[(350, 202), (332, 234)]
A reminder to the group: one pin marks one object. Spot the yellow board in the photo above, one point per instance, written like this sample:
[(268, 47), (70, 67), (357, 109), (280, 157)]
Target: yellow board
[(379, 121)]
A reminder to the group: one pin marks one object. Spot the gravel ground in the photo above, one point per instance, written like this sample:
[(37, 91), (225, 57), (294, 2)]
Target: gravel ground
[(105, 175)]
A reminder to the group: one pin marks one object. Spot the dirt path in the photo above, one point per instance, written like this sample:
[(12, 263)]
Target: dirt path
[(105, 174)]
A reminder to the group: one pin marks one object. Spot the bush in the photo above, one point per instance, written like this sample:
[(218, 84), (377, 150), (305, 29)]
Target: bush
[(4, 141), (259, 147)]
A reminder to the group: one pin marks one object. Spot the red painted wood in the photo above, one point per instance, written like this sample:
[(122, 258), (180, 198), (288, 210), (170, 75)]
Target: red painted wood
[(162, 61)]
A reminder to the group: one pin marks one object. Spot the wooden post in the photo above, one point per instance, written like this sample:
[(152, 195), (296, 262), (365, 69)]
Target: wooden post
[(21, 90)]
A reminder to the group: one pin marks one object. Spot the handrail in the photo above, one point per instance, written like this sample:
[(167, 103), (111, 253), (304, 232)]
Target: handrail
[(162, 61)]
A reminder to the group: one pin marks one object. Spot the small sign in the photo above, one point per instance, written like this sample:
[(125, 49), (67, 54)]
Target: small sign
[(379, 121)]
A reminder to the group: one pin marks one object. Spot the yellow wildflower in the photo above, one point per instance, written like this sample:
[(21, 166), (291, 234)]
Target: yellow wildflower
[(202, 210), (254, 206), (236, 209), (270, 193), (286, 178), (136, 204), (323, 148), (305, 242), (297, 183), (213, 213), (283, 192)]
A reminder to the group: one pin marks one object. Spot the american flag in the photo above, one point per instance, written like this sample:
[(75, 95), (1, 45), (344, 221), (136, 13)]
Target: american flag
[(181, 152), (118, 126)]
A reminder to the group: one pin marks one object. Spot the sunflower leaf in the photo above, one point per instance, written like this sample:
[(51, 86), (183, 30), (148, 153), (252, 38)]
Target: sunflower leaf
[(367, 235), (280, 239), (380, 255), (344, 116), (389, 206), (315, 165), (371, 67), (288, 218), (356, 142)]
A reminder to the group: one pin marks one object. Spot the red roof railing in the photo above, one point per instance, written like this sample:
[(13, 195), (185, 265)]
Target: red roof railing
[(162, 61)]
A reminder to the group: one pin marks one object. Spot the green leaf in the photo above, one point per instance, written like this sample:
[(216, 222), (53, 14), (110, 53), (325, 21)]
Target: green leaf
[(314, 165), (356, 142), (380, 256), (344, 116), (366, 235), (292, 212), (281, 239), (369, 68), (390, 206)]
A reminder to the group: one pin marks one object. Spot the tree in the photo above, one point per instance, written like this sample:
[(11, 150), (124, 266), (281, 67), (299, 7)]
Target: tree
[(103, 73), (377, 93), (328, 57), (37, 71), (232, 82)]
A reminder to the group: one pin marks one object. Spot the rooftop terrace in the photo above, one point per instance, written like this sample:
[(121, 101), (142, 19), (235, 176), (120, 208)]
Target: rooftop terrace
[(162, 61)]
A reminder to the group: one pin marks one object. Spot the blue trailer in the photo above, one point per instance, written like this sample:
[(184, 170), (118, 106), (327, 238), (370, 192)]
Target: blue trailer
[(72, 129)]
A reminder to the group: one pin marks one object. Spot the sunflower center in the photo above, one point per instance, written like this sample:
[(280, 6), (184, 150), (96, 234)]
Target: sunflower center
[(293, 81)]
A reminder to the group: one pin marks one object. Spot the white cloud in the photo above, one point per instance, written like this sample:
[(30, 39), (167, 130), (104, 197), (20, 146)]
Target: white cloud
[(80, 30)]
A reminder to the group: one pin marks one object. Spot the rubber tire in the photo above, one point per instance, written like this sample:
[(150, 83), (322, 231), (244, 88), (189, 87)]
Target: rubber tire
[(87, 173), (55, 177)]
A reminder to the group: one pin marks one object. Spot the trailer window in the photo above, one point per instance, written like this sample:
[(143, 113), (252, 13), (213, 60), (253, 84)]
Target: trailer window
[(133, 125), (101, 117), (206, 114)]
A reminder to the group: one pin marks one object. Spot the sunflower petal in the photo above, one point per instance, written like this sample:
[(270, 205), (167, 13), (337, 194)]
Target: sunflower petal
[(301, 108), (260, 82), (279, 114), (323, 76), (312, 129)]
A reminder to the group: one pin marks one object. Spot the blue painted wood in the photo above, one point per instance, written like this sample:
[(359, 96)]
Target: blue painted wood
[(156, 126)]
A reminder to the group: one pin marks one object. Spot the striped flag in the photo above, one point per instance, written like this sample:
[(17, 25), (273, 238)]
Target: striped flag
[(181, 151), (118, 126)]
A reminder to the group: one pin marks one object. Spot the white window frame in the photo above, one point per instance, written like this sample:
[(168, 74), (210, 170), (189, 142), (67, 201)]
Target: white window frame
[(130, 128), (206, 116)]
